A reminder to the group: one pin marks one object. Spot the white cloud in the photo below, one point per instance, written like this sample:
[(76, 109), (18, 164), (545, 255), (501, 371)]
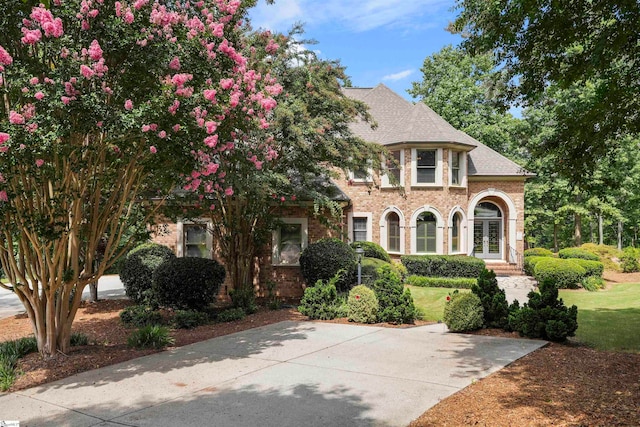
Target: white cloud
[(398, 76), (352, 15)]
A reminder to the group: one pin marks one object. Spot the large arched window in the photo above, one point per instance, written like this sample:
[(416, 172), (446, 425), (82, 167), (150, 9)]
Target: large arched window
[(393, 232), (426, 227)]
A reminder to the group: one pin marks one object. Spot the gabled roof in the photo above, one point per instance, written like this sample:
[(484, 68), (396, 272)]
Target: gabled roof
[(400, 121)]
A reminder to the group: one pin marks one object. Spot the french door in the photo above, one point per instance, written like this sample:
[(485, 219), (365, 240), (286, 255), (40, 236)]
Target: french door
[(487, 238)]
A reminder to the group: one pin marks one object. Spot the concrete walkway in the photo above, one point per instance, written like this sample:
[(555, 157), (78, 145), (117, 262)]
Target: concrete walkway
[(285, 374)]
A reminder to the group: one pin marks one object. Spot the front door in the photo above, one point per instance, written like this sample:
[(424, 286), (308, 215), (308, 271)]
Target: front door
[(487, 238)]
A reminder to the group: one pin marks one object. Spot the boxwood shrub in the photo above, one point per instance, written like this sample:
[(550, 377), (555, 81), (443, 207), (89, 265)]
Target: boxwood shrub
[(372, 250), (569, 253), (441, 282), (537, 252), (137, 270), (530, 264), (463, 312), (592, 268), (188, 283), (564, 273), (443, 265), (321, 260)]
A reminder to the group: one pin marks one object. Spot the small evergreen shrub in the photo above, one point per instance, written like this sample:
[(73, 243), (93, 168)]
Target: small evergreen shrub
[(244, 298), (321, 301), (592, 268), (545, 316), (362, 305), (79, 339), (188, 283), (395, 303), (494, 301), (189, 319), (150, 336), (592, 283), (371, 266), (537, 252), (577, 253), (564, 273), (136, 272), (372, 250), (530, 264), (463, 312), (140, 315), (326, 257), (231, 314), (443, 265), (441, 282), (629, 260)]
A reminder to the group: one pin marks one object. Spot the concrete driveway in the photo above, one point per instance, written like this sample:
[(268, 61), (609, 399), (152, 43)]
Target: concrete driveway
[(285, 374)]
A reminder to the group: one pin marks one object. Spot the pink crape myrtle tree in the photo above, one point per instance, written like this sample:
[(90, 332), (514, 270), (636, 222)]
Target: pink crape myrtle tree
[(105, 107)]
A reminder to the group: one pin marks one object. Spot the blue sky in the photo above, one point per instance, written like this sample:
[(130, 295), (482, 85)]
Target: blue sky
[(379, 41)]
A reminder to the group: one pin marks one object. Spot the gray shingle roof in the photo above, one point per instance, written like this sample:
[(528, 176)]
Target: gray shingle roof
[(400, 121)]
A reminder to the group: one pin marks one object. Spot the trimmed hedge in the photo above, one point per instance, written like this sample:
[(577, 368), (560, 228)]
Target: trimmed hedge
[(441, 282), (372, 250), (593, 268), (371, 266), (571, 253), (326, 257), (188, 283), (564, 273), (530, 264), (537, 252), (138, 267), (443, 265)]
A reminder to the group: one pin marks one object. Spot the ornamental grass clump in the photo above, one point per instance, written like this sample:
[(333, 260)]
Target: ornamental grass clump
[(362, 305)]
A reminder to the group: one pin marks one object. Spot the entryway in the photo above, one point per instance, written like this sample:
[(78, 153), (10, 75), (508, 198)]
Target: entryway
[(487, 231)]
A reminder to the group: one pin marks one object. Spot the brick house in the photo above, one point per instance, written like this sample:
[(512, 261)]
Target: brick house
[(450, 194)]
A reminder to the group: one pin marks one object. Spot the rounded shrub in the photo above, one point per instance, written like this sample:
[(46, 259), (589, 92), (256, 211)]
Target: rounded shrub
[(189, 319), (568, 253), (564, 273), (592, 283), (463, 312), (530, 264), (362, 305), (629, 260), (187, 283), (371, 268), (326, 257), (137, 270), (372, 250), (592, 268), (140, 315), (537, 252)]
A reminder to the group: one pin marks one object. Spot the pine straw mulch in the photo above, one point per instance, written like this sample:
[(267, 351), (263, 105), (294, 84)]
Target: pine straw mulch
[(559, 385)]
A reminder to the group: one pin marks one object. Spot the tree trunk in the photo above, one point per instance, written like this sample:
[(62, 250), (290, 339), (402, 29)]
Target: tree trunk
[(555, 237), (93, 290), (578, 229), (619, 235), (600, 231)]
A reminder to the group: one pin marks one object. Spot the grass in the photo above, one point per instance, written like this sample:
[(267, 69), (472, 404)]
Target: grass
[(431, 301), (608, 319)]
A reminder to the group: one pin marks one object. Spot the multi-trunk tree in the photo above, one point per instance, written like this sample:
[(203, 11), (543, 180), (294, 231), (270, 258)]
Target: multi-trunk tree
[(104, 105)]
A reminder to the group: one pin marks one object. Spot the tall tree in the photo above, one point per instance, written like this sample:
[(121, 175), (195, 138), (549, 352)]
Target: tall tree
[(309, 142), (103, 104), (592, 46)]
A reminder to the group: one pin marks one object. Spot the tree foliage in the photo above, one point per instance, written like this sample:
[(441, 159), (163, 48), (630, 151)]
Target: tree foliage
[(103, 105)]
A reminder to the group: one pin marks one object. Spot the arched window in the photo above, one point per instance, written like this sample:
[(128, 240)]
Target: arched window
[(487, 210), (393, 232), (426, 226), (455, 232)]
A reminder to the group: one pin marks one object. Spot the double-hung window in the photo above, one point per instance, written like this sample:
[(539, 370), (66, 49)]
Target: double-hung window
[(359, 229), (289, 240), (394, 170), (426, 167)]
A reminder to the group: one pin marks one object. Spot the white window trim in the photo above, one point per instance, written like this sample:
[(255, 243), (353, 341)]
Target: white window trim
[(414, 167), (275, 240), (369, 177), (385, 182), (439, 230), (180, 231), (384, 230), (462, 233), (463, 169), (369, 217)]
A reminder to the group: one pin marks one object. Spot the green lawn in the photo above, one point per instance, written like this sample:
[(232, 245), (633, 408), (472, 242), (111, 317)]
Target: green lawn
[(431, 301), (608, 319)]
